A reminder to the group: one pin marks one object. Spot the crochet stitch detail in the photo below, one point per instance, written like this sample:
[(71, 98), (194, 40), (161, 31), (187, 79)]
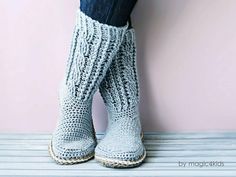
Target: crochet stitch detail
[(74, 135), (120, 92), (92, 50), (120, 88)]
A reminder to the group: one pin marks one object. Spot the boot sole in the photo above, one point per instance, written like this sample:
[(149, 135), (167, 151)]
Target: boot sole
[(115, 163), (62, 161)]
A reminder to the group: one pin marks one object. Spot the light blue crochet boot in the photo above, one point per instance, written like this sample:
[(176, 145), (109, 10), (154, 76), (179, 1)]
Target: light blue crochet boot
[(122, 145), (93, 47)]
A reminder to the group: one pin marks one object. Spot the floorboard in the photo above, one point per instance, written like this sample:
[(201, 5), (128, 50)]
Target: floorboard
[(194, 154)]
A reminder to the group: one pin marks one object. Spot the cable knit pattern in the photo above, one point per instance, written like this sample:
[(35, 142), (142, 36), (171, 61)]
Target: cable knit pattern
[(94, 45), (120, 91)]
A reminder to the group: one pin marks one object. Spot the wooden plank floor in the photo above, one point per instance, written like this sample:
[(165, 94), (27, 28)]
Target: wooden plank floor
[(168, 155)]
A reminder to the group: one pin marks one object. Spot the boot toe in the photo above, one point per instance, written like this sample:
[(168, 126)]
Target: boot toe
[(120, 151), (65, 152)]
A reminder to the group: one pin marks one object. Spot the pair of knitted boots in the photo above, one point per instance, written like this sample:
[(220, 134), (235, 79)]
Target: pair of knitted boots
[(102, 57)]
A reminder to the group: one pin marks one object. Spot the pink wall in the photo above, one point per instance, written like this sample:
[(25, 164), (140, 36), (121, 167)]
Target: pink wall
[(186, 57)]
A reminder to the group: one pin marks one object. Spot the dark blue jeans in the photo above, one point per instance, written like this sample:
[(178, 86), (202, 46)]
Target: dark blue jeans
[(111, 12)]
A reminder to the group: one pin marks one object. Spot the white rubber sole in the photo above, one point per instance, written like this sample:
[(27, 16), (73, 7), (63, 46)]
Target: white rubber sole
[(62, 161)]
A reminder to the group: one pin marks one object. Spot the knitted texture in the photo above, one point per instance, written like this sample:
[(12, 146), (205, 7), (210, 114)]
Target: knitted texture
[(120, 91), (93, 48)]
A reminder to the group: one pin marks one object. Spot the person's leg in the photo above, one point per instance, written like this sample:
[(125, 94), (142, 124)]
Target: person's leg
[(93, 48), (111, 12)]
